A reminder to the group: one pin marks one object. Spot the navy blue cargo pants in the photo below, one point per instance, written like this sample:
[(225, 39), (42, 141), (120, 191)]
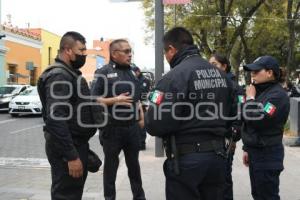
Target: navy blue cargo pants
[(65, 187), (202, 177), (126, 138), (265, 166)]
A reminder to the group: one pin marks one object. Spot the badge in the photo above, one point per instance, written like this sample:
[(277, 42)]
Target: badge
[(270, 109), (241, 99), (112, 75), (156, 97)]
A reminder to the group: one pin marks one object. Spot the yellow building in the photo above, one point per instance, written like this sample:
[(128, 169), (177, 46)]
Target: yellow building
[(50, 46)]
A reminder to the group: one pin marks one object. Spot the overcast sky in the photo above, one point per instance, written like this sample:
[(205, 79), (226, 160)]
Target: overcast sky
[(92, 18)]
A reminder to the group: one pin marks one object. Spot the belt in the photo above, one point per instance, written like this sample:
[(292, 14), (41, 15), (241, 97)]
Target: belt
[(212, 145)]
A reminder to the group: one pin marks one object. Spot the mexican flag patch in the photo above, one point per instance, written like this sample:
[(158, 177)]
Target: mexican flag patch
[(270, 108), (241, 98), (156, 97)]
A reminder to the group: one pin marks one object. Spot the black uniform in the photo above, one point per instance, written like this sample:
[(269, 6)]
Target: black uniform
[(145, 87), (262, 139), (187, 103), (235, 133), (66, 139), (122, 131)]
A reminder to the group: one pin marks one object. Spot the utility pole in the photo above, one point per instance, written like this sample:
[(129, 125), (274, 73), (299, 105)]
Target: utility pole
[(159, 59)]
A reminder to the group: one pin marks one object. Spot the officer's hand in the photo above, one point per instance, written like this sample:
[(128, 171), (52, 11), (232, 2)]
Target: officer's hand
[(246, 159), (142, 123), (75, 168), (124, 99), (250, 91)]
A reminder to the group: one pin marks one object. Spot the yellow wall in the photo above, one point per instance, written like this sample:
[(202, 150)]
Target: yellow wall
[(49, 40)]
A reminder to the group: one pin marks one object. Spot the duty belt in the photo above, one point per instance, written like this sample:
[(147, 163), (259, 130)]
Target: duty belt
[(197, 147)]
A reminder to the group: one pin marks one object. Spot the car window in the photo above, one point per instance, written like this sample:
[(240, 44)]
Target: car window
[(23, 88), (30, 92), (7, 89)]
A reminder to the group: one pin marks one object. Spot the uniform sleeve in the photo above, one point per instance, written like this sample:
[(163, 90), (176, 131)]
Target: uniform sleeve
[(159, 119), (98, 85), (58, 91), (261, 115)]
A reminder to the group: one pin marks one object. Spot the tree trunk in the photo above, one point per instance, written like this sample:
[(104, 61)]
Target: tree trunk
[(291, 19)]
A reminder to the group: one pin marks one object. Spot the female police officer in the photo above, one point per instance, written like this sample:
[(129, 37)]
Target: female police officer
[(265, 113), (221, 62)]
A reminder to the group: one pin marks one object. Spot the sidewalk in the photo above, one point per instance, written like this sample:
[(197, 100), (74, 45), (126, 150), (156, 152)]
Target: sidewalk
[(33, 183), (153, 177)]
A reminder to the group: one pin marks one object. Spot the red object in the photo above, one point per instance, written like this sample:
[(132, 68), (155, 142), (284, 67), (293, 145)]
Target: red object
[(167, 2)]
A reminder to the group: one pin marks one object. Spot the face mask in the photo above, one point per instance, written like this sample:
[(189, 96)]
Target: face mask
[(79, 61)]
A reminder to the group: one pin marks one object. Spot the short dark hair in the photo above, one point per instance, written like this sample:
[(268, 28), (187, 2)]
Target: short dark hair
[(114, 44), (223, 60), (69, 39), (178, 37)]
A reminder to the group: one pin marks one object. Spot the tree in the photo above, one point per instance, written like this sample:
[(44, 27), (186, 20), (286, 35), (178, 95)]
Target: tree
[(240, 29), (292, 17), (215, 25)]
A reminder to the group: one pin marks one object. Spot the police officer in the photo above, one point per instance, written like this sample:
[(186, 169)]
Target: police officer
[(66, 139), (184, 110), (118, 88), (263, 127), (144, 87), (221, 62)]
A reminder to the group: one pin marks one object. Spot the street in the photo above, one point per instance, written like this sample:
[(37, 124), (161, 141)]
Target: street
[(25, 172), (24, 169)]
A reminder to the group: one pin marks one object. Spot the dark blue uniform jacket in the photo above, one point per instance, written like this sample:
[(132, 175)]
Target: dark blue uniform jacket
[(192, 101)]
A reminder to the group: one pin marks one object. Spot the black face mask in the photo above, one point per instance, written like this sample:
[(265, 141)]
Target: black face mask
[(79, 61)]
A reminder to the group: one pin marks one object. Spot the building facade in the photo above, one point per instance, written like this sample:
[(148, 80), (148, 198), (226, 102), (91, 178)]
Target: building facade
[(23, 56), (96, 58), (50, 46)]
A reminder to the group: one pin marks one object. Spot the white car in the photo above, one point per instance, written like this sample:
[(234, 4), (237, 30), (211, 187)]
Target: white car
[(8, 92), (28, 102)]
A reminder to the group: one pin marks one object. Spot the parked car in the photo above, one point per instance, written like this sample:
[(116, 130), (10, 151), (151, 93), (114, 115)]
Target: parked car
[(8, 92), (28, 102)]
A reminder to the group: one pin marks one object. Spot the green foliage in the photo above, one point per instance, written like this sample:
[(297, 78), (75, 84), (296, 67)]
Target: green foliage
[(241, 29)]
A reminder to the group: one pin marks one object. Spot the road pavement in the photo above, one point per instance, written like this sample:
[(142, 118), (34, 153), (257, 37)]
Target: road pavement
[(25, 172)]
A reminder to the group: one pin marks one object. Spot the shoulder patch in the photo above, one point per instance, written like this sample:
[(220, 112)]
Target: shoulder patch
[(241, 99), (156, 97), (270, 109)]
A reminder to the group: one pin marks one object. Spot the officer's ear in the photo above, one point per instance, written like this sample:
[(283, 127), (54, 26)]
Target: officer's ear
[(172, 50)]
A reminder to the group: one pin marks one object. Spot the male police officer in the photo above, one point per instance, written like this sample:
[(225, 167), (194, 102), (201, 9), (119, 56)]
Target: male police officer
[(118, 88), (144, 88), (187, 105), (62, 91)]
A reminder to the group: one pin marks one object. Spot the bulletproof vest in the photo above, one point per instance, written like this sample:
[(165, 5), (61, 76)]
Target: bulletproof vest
[(116, 75), (80, 101)]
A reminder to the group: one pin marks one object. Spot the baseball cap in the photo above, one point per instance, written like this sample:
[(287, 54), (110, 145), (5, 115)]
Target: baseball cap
[(263, 62)]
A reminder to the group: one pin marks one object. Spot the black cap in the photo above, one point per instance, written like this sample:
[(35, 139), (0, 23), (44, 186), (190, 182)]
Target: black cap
[(263, 62)]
